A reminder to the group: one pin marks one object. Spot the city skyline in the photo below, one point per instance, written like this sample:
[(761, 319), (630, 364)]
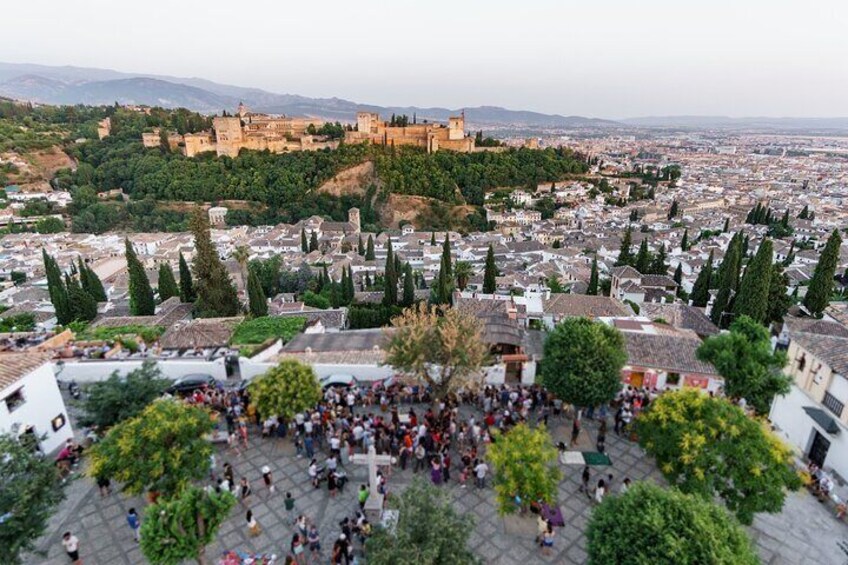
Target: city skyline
[(622, 61)]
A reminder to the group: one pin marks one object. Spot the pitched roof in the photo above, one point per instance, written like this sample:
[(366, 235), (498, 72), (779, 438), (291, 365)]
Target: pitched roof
[(15, 366), (670, 353), (584, 305), (812, 326), (203, 333), (680, 316), (831, 350), (353, 340)]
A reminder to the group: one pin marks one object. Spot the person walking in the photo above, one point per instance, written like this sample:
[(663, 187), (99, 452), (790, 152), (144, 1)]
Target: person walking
[(71, 545), (575, 431), (480, 471), (244, 489), (266, 478), (134, 522), (362, 496), (600, 491), (296, 548), (602, 437), (548, 540), (252, 525), (314, 541), (584, 481), (288, 502)]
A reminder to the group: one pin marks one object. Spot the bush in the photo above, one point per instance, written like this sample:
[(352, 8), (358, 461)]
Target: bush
[(259, 330)]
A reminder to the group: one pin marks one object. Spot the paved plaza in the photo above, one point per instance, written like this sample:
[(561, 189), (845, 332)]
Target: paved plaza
[(803, 533)]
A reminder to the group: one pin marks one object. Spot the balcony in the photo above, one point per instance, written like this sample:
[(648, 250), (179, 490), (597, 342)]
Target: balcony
[(832, 404)]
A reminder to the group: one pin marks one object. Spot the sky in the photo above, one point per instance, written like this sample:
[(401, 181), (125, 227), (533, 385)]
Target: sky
[(598, 58)]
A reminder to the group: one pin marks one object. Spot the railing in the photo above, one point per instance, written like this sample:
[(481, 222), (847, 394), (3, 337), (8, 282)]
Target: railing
[(831, 403)]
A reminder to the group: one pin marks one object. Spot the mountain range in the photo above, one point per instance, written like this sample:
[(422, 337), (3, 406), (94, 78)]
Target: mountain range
[(82, 85), (79, 85)]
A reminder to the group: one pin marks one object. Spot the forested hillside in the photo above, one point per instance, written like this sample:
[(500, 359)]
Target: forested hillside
[(283, 186)]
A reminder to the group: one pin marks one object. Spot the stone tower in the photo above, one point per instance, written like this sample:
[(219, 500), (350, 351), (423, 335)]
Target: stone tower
[(353, 219), (456, 127)]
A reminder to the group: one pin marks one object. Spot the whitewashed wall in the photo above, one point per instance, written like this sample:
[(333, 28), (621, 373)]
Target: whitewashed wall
[(96, 370), (42, 403)]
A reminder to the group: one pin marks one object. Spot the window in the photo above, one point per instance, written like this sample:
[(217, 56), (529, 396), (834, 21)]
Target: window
[(802, 361), (831, 403), (672, 379), (14, 400)]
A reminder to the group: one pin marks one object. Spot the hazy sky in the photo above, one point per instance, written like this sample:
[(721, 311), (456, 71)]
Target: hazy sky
[(604, 58)]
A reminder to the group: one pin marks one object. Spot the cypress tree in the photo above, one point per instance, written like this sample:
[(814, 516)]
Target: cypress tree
[(643, 258), (625, 256), (684, 243), (673, 211), (313, 241), (360, 247), (304, 245), (678, 277), (805, 212), (141, 295), (726, 225), (390, 290), (368, 283), (57, 290), (167, 283), (745, 242), (369, 251), (343, 285), (701, 289), (821, 285), (186, 284), (351, 289), (91, 282), (83, 306), (778, 299), (257, 302), (784, 221), (433, 238), (727, 280), (752, 299), (408, 286), (658, 266), (593, 278), (447, 260), (490, 272), (216, 294)]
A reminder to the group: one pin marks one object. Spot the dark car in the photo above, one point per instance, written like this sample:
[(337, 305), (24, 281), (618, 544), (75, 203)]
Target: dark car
[(190, 383)]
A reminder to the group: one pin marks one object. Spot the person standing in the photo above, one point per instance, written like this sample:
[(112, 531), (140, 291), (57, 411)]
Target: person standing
[(600, 491), (548, 540), (602, 436), (585, 478), (71, 545), (480, 471), (288, 502), (575, 431), (362, 496), (314, 541), (252, 525), (134, 523)]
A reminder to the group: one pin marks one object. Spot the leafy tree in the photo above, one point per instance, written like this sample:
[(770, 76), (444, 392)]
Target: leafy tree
[(525, 462), (429, 531), (441, 349), (167, 283), (779, 300), (369, 250), (744, 358), (29, 492), (163, 449), (216, 295), (709, 447), (625, 256), (651, 524), (490, 272), (187, 293), (701, 289), (592, 288), (583, 362), (257, 302), (141, 295), (285, 390), (116, 399), (821, 285), (463, 272), (752, 299), (50, 225), (181, 527)]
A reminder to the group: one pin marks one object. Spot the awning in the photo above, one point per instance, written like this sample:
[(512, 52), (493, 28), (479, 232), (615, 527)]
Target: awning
[(821, 418)]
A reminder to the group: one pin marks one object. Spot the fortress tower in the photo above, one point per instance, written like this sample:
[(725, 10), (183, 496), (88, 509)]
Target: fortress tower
[(354, 219)]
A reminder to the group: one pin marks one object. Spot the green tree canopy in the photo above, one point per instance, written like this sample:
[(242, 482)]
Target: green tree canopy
[(118, 398), (285, 390), (744, 358), (625, 256), (753, 296), (162, 449), (181, 527), (701, 289), (167, 283), (257, 302), (490, 272), (583, 362), (821, 285), (429, 531), (91, 283), (187, 293), (650, 524), (29, 492), (708, 446), (525, 462), (141, 295), (592, 287)]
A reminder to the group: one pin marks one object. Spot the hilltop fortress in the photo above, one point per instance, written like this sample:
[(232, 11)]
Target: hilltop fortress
[(280, 134)]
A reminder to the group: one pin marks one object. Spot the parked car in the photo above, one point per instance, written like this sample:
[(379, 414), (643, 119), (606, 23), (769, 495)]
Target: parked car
[(346, 381), (190, 383)]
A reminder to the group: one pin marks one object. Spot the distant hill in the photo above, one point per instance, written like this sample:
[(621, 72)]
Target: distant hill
[(80, 85), (726, 122)]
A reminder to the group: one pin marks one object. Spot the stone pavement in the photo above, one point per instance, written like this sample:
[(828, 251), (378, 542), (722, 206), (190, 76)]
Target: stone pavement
[(803, 533)]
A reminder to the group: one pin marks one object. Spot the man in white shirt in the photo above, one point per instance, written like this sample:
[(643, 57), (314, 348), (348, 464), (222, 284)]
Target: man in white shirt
[(480, 472), (71, 545)]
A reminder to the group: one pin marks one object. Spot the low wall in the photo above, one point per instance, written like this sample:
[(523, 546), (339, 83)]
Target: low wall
[(250, 369), (94, 370)]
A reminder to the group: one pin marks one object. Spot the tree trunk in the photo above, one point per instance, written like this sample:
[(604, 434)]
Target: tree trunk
[(201, 556)]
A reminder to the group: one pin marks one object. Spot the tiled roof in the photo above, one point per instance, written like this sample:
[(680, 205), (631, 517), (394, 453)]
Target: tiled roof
[(15, 366), (812, 326), (670, 353), (680, 316), (203, 333), (353, 340), (584, 305), (831, 350)]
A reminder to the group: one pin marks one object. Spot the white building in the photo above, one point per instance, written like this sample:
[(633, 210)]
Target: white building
[(29, 396)]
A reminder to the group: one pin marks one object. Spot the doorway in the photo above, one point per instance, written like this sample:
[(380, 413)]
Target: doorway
[(637, 378), (819, 448)]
